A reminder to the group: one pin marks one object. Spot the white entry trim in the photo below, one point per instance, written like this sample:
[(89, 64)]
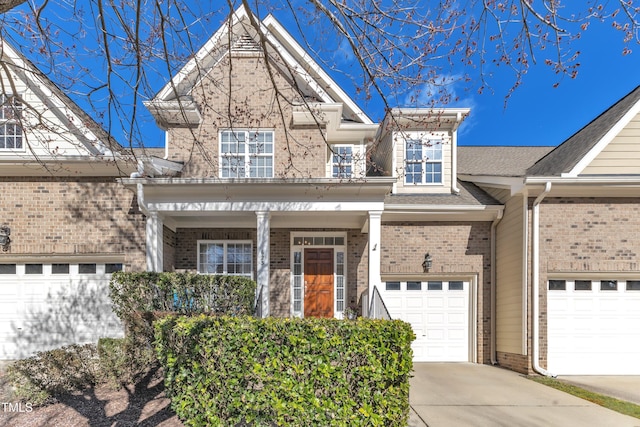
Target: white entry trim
[(299, 240)]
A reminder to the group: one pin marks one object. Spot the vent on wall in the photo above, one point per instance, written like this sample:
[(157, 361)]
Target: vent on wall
[(246, 43)]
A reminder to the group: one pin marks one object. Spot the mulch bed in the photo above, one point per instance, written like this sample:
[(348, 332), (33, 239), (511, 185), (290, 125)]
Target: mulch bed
[(142, 405)]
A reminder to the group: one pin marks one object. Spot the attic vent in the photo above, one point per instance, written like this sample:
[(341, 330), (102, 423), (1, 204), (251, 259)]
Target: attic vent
[(246, 43)]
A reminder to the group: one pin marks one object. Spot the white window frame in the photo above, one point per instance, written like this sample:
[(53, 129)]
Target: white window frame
[(431, 153), (225, 254), (341, 160), (10, 111), (253, 158)]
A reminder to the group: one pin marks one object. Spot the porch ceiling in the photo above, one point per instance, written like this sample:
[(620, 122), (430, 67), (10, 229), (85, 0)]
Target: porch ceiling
[(289, 220)]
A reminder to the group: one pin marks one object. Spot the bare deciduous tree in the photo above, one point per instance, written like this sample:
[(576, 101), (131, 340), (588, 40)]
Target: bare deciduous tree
[(110, 56)]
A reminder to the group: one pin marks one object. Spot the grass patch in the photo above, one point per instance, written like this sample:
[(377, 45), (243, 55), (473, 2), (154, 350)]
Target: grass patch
[(621, 406)]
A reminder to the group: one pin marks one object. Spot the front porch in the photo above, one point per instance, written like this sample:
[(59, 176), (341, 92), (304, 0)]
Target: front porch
[(312, 246)]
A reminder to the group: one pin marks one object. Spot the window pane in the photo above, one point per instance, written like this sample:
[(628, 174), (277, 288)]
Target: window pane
[(582, 285), (392, 286), (456, 286), (633, 285), (608, 285), (112, 268), (211, 258), (7, 269), (414, 286), (557, 285), (33, 269), (86, 268), (434, 286), (59, 268)]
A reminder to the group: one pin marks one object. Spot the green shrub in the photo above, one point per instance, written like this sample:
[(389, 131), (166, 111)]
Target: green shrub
[(40, 378), (123, 362), (139, 299), (222, 371)]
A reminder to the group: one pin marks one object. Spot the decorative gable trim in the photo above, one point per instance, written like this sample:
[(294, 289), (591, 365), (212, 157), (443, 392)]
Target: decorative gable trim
[(604, 141)]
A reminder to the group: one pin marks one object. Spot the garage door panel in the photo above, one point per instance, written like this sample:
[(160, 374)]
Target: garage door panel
[(45, 311), (593, 332), (438, 317)]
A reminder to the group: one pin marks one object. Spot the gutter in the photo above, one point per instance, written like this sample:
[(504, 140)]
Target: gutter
[(492, 340), (535, 243)]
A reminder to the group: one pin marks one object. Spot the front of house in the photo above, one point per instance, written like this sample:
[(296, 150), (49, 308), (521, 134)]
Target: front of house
[(271, 171)]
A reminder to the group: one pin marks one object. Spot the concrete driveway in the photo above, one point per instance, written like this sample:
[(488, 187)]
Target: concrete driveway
[(465, 394)]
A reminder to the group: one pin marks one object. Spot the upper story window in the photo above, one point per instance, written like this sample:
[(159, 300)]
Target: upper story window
[(246, 154), (10, 129), (423, 161), (342, 161)]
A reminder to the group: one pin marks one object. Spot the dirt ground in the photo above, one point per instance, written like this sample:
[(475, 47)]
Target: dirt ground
[(143, 405)]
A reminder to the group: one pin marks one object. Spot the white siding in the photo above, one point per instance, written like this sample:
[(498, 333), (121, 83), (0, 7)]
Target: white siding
[(620, 156), (509, 293)]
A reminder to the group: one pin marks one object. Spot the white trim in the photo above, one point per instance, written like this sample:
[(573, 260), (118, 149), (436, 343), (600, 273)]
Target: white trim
[(225, 253), (246, 156), (300, 248), (603, 142)]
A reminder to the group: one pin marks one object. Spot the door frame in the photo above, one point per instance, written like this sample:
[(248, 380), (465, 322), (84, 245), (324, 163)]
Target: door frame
[(301, 240)]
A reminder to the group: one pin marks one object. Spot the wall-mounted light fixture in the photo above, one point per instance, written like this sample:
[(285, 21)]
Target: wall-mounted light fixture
[(5, 240), (427, 263)]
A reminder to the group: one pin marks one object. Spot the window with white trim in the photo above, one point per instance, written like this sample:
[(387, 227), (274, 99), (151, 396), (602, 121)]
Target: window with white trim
[(423, 161), (226, 257), (10, 129), (342, 161), (246, 154)]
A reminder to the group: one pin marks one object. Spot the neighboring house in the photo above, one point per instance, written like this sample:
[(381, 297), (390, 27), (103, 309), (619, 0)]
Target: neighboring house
[(327, 209)]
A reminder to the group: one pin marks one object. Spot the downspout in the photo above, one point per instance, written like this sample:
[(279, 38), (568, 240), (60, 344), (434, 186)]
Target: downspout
[(141, 202), (454, 156), (166, 145), (535, 243), (492, 341)]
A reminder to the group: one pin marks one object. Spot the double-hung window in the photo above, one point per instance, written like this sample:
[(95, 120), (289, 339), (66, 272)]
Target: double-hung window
[(246, 154), (225, 257), (10, 129), (342, 161), (423, 161)]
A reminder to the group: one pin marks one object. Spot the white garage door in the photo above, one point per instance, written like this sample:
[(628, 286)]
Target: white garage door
[(593, 327), (45, 306), (438, 312)]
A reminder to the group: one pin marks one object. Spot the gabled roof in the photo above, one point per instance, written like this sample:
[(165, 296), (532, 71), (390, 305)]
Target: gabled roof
[(567, 158), (506, 161), (309, 76), (95, 139)]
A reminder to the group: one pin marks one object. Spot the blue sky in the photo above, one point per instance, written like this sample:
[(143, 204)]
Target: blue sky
[(537, 113)]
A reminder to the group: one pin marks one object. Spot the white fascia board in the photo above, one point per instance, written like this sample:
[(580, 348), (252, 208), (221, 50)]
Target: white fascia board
[(87, 137), (586, 180), (413, 116), (330, 115), (606, 139), (278, 31), (176, 81), (244, 206)]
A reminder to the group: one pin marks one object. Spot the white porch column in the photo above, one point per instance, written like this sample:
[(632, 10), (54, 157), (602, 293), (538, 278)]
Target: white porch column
[(263, 231), (375, 233), (154, 242)]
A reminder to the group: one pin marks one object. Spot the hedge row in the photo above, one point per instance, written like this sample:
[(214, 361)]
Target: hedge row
[(223, 371), (138, 297)]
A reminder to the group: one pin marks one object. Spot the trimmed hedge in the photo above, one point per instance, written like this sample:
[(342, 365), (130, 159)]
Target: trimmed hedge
[(138, 298), (223, 371)]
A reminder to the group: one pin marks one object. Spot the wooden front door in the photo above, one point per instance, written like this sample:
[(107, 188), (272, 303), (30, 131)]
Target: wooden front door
[(318, 283)]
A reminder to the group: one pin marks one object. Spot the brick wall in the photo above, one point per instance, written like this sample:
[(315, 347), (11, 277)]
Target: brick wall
[(62, 216), (456, 247), (238, 94), (596, 235), (280, 260)]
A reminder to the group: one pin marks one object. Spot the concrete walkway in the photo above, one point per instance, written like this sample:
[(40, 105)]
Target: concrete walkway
[(465, 394)]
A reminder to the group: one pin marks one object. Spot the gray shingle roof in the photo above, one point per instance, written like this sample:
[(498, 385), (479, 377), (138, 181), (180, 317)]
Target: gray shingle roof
[(498, 160), (470, 195), (564, 157)]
